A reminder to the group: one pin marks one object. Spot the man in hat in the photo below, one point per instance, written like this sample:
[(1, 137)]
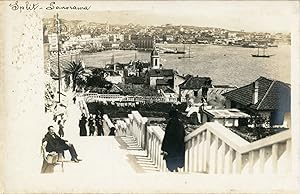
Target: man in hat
[(58, 145)]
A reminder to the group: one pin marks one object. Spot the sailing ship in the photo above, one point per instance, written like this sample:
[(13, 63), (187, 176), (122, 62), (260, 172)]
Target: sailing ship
[(261, 55), (188, 56)]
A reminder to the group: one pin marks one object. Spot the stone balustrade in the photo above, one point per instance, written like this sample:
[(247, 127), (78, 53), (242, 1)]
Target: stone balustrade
[(94, 97), (214, 149), (107, 124)]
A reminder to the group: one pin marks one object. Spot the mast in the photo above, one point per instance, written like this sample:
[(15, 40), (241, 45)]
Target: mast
[(58, 49), (189, 51)]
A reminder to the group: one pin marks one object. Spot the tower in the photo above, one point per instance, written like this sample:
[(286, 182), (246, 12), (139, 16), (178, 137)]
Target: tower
[(155, 64)]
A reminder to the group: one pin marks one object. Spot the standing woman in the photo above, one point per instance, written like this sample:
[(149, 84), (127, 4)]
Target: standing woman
[(91, 125), (60, 129), (82, 127), (99, 126), (173, 143)]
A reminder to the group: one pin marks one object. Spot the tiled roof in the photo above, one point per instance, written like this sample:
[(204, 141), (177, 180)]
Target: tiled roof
[(196, 83), (272, 95), (160, 72)]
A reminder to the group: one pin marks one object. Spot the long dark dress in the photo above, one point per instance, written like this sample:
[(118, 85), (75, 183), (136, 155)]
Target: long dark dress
[(82, 123), (173, 144)]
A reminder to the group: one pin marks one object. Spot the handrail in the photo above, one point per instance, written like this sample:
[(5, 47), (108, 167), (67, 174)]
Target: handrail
[(230, 138), (158, 132), (276, 138), (121, 98), (213, 148)]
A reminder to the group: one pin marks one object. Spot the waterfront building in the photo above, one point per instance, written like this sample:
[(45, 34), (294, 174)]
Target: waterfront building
[(269, 98), (143, 42)]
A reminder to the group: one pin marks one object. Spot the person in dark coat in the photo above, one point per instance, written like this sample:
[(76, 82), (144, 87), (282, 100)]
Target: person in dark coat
[(173, 146), (99, 125), (112, 131), (82, 127), (60, 129), (91, 125), (58, 145), (74, 99)]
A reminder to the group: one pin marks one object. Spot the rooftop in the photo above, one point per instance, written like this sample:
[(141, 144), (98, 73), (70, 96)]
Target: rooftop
[(196, 83), (272, 95), (226, 113)]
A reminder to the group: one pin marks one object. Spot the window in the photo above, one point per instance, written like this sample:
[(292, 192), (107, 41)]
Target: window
[(196, 93)]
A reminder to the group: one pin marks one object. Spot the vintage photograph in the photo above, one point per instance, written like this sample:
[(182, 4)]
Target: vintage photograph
[(153, 96)]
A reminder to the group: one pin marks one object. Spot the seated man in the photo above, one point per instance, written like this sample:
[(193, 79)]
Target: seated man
[(58, 145)]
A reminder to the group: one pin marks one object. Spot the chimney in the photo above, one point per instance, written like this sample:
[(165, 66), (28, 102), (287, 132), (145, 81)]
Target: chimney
[(255, 92)]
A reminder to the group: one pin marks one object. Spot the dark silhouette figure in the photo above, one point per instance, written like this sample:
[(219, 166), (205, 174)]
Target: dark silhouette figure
[(74, 99), (173, 143), (58, 145), (91, 125), (99, 125), (60, 129), (112, 131), (82, 123)]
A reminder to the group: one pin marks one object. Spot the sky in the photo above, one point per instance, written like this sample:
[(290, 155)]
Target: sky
[(271, 16)]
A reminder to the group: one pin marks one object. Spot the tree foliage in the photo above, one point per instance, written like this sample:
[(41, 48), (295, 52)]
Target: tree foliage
[(77, 72)]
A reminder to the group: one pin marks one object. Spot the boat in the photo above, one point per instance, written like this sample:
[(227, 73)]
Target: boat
[(184, 56), (261, 55), (170, 51)]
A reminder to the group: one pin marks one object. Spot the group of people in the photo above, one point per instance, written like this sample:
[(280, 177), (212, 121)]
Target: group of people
[(94, 123), (173, 146)]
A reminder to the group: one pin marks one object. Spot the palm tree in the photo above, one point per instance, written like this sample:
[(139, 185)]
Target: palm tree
[(77, 72)]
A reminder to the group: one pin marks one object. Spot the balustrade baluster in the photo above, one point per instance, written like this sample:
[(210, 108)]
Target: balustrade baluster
[(197, 155), (186, 162), (238, 162), (262, 160), (149, 144), (203, 152), (274, 157), (251, 161), (215, 154), (230, 160), (155, 155), (221, 158), (153, 150), (207, 150), (192, 155), (158, 154)]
